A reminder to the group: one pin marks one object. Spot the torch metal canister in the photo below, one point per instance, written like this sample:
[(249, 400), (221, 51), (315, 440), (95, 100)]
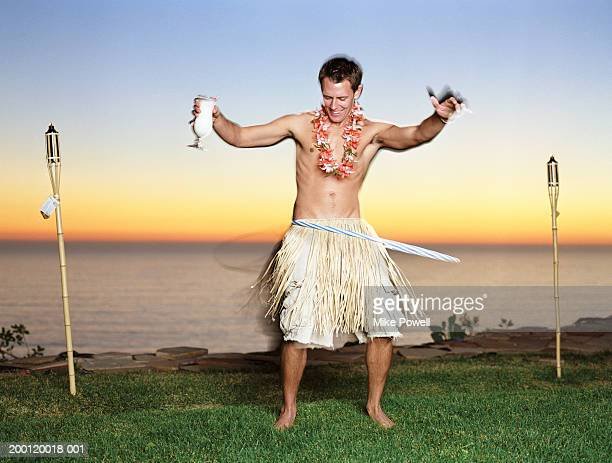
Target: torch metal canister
[(553, 194), (54, 167)]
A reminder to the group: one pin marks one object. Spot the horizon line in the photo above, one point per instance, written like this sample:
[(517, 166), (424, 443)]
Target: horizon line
[(214, 241)]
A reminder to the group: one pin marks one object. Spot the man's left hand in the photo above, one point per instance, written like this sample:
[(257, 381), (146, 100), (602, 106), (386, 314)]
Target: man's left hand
[(451, 106)]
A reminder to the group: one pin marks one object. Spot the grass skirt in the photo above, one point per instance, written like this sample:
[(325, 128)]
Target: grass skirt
[(318, 280)]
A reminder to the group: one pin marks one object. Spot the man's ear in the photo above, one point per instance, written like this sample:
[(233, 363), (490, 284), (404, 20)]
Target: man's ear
[(358, 91)]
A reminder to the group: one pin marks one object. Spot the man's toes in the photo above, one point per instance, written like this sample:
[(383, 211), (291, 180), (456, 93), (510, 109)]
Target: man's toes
[(283, 424), (381, 418), (388, 423), (285, 420)]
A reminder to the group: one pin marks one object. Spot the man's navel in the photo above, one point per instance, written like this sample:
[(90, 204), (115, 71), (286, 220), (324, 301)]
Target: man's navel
[(332, 197)]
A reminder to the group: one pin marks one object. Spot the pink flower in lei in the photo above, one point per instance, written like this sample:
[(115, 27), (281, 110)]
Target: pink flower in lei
[(351, 135)]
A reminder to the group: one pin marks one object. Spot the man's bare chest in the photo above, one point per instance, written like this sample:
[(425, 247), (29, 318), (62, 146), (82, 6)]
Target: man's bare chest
[(308, 150)]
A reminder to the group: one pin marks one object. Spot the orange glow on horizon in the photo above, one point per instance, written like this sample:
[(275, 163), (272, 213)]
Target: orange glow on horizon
[(528, 239), (245, 211)]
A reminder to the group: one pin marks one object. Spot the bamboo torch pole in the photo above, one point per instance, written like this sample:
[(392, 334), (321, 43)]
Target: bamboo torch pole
[(553, 194), (54, 167)]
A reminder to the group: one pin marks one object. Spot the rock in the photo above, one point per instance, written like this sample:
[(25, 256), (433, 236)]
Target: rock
[(58, 366), (468, 351), (178, 353), (33, 361), (529, 341), (582, 342), (111, 363), (603, 341), (147, 356), (274, 359), (161, 364), (432, 345), (509, 341), (225, 355), (64, 355), (420, 353), (55, 365), (112, 355), (417, 338)]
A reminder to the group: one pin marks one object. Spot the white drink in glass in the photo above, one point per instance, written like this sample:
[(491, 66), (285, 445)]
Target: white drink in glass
[(202, 124)]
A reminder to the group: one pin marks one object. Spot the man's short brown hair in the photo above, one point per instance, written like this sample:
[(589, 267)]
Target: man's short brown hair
[(339, 68)]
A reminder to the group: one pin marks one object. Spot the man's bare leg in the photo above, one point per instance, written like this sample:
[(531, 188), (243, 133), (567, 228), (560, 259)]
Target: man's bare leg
[(293, 361), (379, 352)]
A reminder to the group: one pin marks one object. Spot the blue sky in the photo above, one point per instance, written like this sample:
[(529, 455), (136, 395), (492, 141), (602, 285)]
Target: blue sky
[(117, 79)]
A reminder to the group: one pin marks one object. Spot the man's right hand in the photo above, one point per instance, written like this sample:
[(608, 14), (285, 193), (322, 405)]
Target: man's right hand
[(196, 110)]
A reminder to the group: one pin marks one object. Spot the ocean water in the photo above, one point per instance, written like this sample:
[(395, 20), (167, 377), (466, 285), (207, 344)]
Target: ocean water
[(138, 297)]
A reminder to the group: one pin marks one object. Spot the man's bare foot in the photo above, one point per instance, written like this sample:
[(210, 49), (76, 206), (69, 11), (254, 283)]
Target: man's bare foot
[(377, 414), (286, 418)]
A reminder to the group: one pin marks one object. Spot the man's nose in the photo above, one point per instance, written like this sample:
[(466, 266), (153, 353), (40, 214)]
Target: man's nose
[(334, 104)]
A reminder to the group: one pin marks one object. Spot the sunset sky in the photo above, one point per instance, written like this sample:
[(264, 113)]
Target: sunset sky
[(117, 80)]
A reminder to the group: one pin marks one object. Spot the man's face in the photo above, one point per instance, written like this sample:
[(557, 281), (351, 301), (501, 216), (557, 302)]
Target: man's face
[(338, 99)]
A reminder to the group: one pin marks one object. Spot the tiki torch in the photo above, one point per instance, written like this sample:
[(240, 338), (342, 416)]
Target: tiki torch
[(51, 204), (553, 194)]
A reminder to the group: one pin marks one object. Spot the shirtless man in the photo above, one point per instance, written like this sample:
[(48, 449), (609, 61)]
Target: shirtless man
[(328, 196)]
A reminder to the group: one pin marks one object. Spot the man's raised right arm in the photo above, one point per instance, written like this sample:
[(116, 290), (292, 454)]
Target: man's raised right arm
[(255, 135)]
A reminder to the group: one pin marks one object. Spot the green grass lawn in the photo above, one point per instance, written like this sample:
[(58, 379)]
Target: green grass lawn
[(488, 408)]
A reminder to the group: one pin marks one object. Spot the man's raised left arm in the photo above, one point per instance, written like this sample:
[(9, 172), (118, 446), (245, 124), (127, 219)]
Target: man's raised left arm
[(403, 138)]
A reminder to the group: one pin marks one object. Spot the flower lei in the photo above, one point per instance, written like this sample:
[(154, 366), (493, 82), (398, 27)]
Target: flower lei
[(351, 135)]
